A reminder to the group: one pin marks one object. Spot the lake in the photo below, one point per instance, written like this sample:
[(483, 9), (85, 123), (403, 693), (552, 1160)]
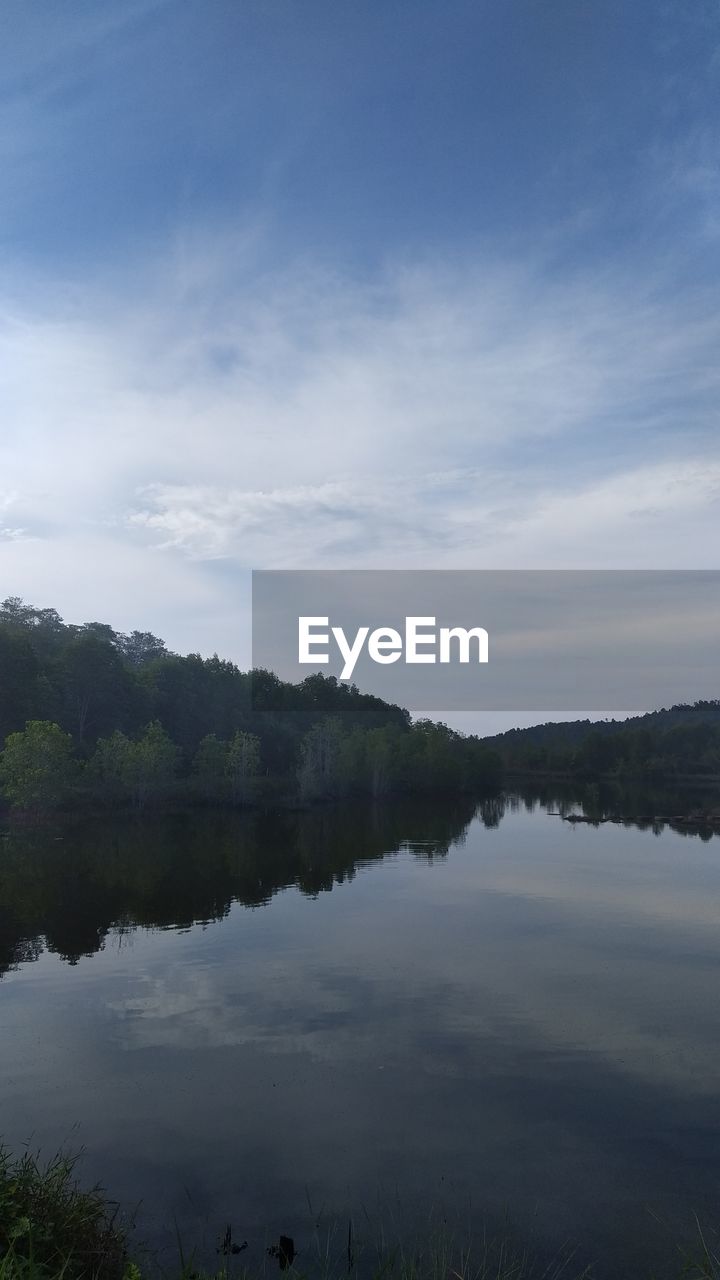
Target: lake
[(399, 1011)]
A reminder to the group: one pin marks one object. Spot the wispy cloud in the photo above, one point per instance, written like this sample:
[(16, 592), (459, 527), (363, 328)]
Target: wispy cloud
[(489, 416)]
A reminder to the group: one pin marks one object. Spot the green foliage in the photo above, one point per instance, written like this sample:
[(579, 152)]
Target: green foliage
[(111, 765), (141, 647), (19, 668), (680, 741), (319, 771), (96, 684), (153, 761), (242, 765), (144, 720), (141, 771), (50, 1228), (92, 680), (703, 1261), (209, 767), (228, 770), (426, 757), (36, 766)]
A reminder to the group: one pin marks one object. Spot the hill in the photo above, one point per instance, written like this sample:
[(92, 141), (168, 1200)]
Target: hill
[(121, 718), (678, 740)]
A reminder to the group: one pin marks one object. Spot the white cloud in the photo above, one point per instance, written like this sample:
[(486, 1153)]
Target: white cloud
[(485, 417)]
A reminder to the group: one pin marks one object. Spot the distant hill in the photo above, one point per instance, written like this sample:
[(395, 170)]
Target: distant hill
[(572, 731), (674, 740)]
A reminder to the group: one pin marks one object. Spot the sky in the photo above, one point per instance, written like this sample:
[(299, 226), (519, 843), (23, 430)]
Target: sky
[(321, 284)]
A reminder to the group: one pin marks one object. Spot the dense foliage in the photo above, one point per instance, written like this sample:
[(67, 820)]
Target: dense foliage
[(51, 1228), (679, 741), (90, 714)]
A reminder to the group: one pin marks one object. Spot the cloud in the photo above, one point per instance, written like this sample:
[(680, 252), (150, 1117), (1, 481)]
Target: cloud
[(349, 524), (291, 1005), (485, 415)]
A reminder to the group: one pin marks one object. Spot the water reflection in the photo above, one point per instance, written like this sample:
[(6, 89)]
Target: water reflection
[(64, 889), (64, 892), (490, 1005)]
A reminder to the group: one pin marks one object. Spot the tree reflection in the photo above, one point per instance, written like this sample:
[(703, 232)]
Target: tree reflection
[(65, 890), (66, 893)]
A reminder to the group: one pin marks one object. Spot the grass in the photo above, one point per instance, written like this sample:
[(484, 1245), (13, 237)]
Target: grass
[(440, 1256), (704, 1263), (53, 1229), (339, 1255)]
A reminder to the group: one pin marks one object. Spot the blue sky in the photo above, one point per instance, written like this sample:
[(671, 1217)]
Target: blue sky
[(362, 284), (354, 132)]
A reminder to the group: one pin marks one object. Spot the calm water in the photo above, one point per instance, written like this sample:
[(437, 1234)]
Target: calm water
[(491, 1009)]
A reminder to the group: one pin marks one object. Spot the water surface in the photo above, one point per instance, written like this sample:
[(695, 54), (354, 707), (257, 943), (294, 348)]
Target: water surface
[(248, 1019)]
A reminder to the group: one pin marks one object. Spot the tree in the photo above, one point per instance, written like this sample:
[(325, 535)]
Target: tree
[(243, 764), (44, 626), (16, 613), (139, 771), (18, 681), (210, 766), (320, 756), (151, 764), (112, 765), (96, 685), (141, 647), (101, 631), (380, 761), (37, 766)]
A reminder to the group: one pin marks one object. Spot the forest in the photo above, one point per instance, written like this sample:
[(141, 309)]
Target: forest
[(675, 742), (90, 716), (94, 717)]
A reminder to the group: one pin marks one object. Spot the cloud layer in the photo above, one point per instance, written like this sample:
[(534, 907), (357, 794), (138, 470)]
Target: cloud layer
[(489, 417)]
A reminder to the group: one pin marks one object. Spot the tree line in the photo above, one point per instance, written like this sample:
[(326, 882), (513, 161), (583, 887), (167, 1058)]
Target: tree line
[(89, 715), (675, 742)]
